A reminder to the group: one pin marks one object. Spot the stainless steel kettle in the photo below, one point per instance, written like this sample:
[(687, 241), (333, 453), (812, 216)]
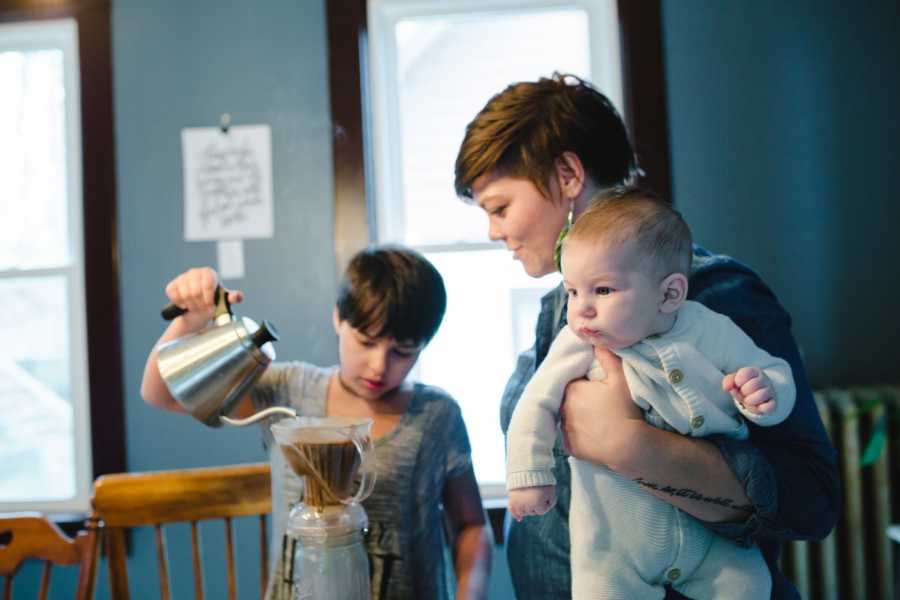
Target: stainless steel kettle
[(208, 372)]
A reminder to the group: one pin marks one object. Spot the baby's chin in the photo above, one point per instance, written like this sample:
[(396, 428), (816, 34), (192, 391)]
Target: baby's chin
[(605, 342), (622, 345)]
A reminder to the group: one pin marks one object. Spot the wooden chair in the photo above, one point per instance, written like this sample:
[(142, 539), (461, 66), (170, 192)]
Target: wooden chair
[(30, 535), (154, 499)]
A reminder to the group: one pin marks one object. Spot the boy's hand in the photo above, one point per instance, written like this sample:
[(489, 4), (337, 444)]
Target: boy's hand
[(531, 501), (751, 388), (194, 290)]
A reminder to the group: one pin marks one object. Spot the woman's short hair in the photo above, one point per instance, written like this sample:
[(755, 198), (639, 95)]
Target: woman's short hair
[(390, 291), (522, 130), (623, 214)]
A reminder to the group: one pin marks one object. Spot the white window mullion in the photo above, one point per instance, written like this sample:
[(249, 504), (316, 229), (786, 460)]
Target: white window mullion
[(78, 357), (46, 446), (65, 270)]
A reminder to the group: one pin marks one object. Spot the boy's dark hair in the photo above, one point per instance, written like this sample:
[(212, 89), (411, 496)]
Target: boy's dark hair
[(522, 130), (389, 291)]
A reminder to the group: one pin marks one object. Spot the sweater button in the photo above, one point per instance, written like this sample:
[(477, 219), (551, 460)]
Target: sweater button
[(697, 422), (676, 376), (673, 574)]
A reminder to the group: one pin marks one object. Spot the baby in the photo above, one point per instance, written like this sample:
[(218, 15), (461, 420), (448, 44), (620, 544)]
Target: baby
[(625, 264)]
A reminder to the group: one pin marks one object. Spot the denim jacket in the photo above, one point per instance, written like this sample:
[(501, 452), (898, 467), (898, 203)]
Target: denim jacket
[(789, 471)]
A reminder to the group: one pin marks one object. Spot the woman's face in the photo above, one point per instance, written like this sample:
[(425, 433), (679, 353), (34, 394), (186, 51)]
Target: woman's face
[(521, 217)]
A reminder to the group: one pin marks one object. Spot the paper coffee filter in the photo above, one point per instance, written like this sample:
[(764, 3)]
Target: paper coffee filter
[(319, 430)]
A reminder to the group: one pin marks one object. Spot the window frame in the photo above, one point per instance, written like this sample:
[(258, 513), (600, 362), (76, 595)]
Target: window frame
[(62, 34), (387, 151), (98, 222), (644, 101), (392, 222)]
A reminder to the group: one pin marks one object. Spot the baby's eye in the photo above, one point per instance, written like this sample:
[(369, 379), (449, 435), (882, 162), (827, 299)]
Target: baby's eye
[(498, 211), (403, 353), (603, 291), (572, 293)]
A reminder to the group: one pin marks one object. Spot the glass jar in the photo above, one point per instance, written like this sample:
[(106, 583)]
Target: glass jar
[(333, 567)]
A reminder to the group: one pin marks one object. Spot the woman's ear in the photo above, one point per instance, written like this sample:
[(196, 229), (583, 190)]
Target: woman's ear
[(336, 321), (570, 175), (674, 292)]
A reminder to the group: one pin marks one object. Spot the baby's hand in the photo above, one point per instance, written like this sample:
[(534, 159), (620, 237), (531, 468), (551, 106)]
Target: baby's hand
[(194, 290), (752, 389), (531, 501)]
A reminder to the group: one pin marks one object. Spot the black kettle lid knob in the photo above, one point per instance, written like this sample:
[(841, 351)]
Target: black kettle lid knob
[(265, 333)]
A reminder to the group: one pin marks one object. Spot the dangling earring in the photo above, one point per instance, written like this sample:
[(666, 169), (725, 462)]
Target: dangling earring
[(557, 251)]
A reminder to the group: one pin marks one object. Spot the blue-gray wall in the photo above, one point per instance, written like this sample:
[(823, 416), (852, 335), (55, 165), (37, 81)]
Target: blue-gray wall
[(182, 64), (785, 142), (785, 151)]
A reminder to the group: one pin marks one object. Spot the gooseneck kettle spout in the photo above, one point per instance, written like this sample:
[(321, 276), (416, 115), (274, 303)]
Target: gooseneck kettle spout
[(266, 412), (209, 371)]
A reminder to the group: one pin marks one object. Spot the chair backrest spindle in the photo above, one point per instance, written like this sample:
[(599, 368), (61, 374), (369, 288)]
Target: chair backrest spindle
[(197, 559), (264, 553), (162, 561), (117, 566), (229, 557), (45, 580)]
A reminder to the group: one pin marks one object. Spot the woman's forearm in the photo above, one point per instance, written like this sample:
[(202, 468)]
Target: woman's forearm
[(688, 473), (602, 424), (472, 562)]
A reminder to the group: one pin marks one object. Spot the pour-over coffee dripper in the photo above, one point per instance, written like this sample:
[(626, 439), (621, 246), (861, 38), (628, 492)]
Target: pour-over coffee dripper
[(332, 455)]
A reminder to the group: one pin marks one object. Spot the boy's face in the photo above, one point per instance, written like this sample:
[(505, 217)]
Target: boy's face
[(614, 300), (522, 218), (372, 366)]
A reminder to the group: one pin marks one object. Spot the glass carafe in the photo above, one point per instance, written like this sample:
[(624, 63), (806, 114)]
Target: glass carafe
[(325, 528)]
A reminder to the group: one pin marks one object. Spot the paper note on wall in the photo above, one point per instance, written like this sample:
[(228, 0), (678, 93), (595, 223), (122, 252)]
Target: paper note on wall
[(227, 182), (230, 255)]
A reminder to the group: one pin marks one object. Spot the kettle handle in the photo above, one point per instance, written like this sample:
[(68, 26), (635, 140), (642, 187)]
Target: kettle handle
[(223, 306)]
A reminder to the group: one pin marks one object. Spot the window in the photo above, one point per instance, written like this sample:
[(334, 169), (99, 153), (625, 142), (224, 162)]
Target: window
[(432, 67), (45, 435)]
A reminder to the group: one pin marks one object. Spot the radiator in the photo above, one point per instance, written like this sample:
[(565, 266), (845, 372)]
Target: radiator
[(857, 561)]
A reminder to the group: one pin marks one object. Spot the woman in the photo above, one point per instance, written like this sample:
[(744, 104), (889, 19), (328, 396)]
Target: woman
[(532, 159)]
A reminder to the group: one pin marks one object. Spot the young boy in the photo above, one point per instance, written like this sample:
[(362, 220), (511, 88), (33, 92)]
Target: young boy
[(390, 304), (625, 264)]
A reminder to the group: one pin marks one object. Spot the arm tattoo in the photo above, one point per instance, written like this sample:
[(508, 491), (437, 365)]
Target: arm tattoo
[(693, 495)]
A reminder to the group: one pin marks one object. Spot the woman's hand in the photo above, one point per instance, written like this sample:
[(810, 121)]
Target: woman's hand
[(194, 290), (592, 409)]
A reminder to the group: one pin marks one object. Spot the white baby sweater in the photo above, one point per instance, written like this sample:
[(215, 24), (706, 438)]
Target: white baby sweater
[(676, 378)]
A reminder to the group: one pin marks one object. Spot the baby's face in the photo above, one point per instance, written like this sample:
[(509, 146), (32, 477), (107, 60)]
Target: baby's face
[(614, 299)]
